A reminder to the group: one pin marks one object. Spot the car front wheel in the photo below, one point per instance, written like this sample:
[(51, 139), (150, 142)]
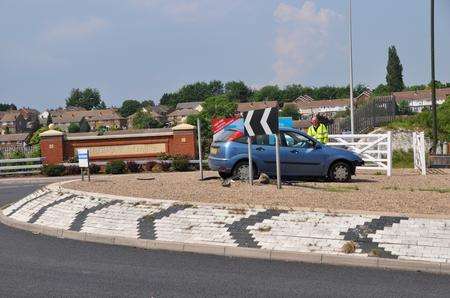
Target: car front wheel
[(340, 172), (240, 171)]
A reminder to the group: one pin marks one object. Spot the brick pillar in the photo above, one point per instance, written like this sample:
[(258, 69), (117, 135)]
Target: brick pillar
[(183, 141), (52, 146)]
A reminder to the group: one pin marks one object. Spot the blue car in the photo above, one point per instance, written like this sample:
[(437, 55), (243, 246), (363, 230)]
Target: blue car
[(300, 155)]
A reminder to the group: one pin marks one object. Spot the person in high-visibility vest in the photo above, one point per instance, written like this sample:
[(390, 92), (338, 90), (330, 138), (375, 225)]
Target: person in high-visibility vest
[(318, 130)]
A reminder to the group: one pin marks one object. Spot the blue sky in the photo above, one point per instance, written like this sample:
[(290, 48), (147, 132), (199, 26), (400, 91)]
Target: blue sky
[(142, 48)]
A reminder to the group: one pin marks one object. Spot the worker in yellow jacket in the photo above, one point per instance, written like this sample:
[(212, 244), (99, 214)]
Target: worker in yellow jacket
[(318, 130)]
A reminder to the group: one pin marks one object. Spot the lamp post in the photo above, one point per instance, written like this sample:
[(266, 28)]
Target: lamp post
[(352, 119), (433, 85)]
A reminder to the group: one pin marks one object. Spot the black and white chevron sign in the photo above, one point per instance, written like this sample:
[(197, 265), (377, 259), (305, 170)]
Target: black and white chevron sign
[(261, 122)]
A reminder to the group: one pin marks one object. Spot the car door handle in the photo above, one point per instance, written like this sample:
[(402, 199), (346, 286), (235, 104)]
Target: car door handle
[(295, 151), (260, 149)]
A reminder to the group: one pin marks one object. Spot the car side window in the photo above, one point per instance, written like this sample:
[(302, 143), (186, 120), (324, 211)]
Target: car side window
[(264, 140), (296, 140)]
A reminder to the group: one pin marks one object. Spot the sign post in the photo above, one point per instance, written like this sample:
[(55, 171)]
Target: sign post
[(83, 162), (262, 122), (199, 137), (277, 153)]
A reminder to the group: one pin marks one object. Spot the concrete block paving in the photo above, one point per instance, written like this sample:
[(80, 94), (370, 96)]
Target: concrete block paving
[(418, 239)]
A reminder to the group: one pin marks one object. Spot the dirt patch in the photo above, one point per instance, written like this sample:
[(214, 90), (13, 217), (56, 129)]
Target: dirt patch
[(405, 192)]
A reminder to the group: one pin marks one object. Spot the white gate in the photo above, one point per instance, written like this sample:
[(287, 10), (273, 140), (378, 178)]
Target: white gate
[(419, 152), (374, 149)]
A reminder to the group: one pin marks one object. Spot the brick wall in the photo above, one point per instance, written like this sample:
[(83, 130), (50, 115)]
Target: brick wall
[(62, 148)]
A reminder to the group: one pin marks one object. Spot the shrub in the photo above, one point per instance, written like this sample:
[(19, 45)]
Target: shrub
[(53, 170), (149, 165), (403, 159), (164, 156), (17, 154), (73, 170), (116, 167), (157, 168), (133, 167), (180, 163), (94, 169)]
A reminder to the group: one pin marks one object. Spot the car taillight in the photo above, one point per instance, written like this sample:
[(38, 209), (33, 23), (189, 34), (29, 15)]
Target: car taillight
[(235, 135)]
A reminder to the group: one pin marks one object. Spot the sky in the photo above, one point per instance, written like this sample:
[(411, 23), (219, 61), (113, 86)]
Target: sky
[(140, 49)]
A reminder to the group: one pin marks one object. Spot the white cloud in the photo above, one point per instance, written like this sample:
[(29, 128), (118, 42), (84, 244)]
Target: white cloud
[(76, 29), (301, 40)]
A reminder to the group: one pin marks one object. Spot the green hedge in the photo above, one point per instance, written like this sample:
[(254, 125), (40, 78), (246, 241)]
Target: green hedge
[(116, 167)]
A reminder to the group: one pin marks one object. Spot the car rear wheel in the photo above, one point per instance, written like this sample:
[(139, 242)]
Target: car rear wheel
[(240, 171), (224, 175), (340, 172)]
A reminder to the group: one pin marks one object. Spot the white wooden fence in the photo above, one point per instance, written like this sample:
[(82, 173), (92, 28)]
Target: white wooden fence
[(419, 152), (374, 149), (20, 166)]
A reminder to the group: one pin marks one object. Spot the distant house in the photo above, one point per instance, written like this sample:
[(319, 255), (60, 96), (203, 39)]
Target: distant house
[(14, 140), (307, 106), (19, 121), (419, 99), (109, 118), (183, 110)]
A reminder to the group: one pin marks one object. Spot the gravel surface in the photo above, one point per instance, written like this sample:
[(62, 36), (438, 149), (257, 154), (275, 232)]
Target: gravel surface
[(405, 192)]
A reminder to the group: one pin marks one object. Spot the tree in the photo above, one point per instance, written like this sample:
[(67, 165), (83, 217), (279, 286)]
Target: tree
[(381, 90), (267, 93), (7, 131), (237, 90), (49, 119), (289, 110), (84, 125), (218, 107), (394, 69), (215, 87), (169, 99), (7, 106), (88, 99), (129, 107), (148, 103), (143, 120), (73, 127), (403, 108)]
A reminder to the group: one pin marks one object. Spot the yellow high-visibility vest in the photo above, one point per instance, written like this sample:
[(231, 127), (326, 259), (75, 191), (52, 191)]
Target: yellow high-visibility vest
[(320, 133)]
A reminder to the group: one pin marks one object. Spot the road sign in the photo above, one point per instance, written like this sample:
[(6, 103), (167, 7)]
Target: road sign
[(261, 122), (83, 158)]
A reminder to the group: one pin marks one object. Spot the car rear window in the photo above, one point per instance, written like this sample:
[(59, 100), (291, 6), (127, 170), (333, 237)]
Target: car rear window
[(223, 136)]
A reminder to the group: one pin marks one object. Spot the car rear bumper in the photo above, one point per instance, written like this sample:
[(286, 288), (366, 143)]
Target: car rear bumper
[(219, 164)]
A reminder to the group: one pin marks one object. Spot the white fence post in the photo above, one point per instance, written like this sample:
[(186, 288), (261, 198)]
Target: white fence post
[(389, 153), (420, 162)]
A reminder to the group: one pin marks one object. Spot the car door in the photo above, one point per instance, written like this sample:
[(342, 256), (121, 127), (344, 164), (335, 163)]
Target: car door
[(263, 149), (300, 156)]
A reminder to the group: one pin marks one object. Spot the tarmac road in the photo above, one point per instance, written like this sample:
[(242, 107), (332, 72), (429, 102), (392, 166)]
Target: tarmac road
[(35, 265)]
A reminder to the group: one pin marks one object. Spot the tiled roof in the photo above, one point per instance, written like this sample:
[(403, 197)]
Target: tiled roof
[(183, 113), (9, 116), (68, 116), (14, 137), (188, 105), (257, 105), (421, 95), (323, 103)]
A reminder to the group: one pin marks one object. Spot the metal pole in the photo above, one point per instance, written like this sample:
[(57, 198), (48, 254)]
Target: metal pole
[(250, 161), (433, 85), (89, 174), (82, 174), (277, 153), (199, 137), (352, 119)]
